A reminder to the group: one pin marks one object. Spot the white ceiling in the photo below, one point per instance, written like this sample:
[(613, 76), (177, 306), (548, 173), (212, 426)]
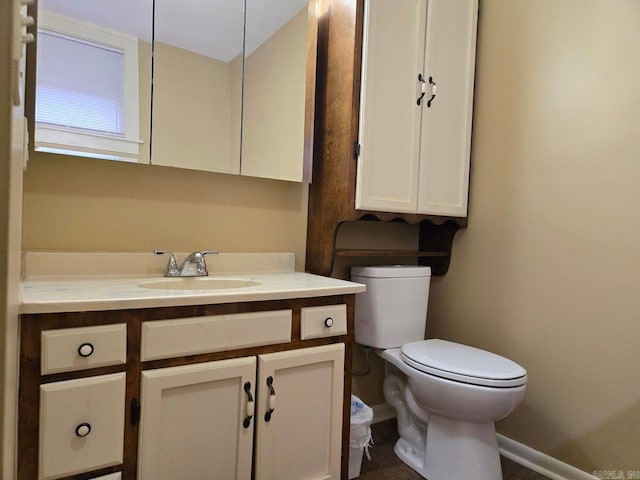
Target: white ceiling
[(208, 27)]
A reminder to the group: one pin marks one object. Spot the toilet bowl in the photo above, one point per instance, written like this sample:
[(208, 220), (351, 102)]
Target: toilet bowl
[(458, 438), (447, 396)]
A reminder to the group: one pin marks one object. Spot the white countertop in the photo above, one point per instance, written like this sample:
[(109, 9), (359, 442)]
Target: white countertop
[(92, 294)]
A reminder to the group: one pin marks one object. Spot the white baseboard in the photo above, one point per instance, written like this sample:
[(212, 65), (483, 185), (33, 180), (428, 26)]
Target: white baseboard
[(526, 456), (539, 462)]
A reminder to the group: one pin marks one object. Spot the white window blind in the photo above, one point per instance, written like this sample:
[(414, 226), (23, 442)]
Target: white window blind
[(80, 84), (87, 97)]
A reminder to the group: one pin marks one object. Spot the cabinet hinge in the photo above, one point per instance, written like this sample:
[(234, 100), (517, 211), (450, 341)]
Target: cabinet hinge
[(135, 411), (356, 150)]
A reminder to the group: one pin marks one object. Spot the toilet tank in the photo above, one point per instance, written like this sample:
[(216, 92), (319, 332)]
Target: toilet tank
[(393, 310)]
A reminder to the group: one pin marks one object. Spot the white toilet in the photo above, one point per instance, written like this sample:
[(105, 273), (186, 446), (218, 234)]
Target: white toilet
[(447, 396)]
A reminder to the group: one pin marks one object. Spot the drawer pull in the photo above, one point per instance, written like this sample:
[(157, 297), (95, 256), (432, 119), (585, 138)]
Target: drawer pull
[(85, 350), (83, 430), (272, 399), (250, 406), (328, 322)]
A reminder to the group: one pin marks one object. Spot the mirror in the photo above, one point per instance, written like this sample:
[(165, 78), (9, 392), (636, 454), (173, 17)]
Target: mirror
[(279, 89), (93, 78), (197, 85), (239, 110), (213, 98)]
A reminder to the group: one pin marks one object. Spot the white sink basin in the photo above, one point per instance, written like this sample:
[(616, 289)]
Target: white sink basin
[(198, 283)]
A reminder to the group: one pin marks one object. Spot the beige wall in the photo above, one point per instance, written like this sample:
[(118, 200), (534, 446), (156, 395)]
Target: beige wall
[(78, 204), (547, 271)]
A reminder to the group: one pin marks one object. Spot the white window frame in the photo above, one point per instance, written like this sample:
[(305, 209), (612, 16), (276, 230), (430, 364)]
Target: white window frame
[(51, 138)]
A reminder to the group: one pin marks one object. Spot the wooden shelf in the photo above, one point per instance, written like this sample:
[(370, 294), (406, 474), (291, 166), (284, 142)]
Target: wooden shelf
[(435, 258), (348, 252)]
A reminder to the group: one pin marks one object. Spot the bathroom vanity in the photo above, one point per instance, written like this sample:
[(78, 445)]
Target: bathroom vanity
[(122, 381)]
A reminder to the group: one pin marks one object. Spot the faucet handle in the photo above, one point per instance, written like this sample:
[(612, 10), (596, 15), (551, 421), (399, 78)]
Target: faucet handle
[(200, 262), (172, 265)]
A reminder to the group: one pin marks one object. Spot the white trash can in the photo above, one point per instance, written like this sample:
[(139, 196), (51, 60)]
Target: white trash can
[(360, 436)]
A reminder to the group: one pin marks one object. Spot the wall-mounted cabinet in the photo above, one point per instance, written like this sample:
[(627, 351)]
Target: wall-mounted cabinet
[(418, 60), (384, 151), (213, 86)]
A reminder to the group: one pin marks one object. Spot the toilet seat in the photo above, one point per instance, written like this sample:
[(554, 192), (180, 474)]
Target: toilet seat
[(462, 363)]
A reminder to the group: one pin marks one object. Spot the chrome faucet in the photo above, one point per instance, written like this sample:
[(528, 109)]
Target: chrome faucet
[(193, 266)]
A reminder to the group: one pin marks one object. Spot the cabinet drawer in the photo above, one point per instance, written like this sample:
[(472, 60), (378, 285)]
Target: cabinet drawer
[(81, 425), (328, 321), (69, 349), (215, 333)]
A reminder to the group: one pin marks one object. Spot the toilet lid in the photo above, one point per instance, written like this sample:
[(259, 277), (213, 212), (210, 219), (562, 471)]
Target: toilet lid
[(463, 363)]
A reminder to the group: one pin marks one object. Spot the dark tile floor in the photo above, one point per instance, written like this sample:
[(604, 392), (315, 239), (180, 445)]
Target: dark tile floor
[(385, 465)]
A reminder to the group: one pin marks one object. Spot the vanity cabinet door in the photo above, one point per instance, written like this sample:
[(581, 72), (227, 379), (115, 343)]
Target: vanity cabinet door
[(299, 436), (416, 106), (196, 421)]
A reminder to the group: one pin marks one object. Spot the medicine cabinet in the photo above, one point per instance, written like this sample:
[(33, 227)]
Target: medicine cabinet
[(215, 86)]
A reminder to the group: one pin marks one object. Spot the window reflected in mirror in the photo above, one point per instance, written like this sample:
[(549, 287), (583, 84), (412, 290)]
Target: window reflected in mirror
[(93, 79)]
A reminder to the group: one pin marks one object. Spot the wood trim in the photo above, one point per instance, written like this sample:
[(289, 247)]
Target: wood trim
[(333, 144)]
